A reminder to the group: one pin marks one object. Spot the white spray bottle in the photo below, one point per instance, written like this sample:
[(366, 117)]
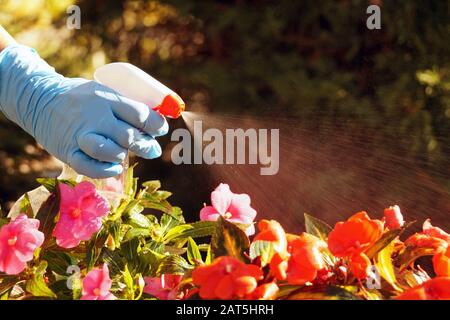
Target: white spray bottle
[(136, 84)]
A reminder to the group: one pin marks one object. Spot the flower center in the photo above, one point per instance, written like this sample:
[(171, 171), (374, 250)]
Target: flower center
[(75, 213), (12, 241), (227, 215), (96, 292)]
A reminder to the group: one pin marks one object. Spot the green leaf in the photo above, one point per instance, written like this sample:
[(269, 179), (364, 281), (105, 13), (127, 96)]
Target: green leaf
[(129, 283), (229, 240), (150, 261), (173, 264), (141, 285), (263, 249), (95, 246), (137, 232), (168, 222), (58, 261), (176, 232), (385, 240), (161, 195), (36, 285), (131, 251), (383, 263), (138, 220), (208, 259), (51, 183), (152, 185), (194, 230), (25, 206), (130, 187), (48, 183), (193, 252), (7, 282), (317, 227)]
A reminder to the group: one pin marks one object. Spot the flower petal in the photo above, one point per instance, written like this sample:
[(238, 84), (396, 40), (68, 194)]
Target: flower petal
[(209, 213), (221, 198)]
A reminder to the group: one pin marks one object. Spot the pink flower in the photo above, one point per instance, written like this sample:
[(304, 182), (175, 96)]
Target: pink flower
[(81, 213), (19, 239), (96, 285), (393, 217), (231, 206), (164, 287)]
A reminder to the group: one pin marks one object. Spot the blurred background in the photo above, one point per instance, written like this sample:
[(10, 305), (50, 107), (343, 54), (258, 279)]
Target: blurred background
[(364, 115)]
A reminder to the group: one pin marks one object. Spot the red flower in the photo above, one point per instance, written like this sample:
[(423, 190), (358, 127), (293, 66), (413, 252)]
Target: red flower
[(274, 232), (305, 260), (393, 217), (441, 263), (359, 266), (421, 240), (430, 237), (266, 291), (226, 278), (433, 289), (429, 230), (354, 235)]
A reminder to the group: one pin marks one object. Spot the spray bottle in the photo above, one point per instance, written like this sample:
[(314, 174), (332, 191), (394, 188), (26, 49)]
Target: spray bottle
[(134, 83)]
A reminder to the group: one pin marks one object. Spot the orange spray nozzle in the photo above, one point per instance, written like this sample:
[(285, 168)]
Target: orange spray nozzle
[(171, 107)]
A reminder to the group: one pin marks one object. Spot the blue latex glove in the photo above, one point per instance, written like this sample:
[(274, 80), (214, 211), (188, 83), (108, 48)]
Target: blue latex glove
[(81, 122)]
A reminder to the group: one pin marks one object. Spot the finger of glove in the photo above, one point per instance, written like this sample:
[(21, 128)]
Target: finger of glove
[(140, 116), (92, 168), (101, 148), (141, 144)]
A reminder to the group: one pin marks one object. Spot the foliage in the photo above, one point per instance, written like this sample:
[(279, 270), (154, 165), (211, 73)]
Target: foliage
[(145, 239)]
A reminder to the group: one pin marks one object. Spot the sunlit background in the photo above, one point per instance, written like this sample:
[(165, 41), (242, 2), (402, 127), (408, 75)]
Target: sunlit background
[(364, 115)]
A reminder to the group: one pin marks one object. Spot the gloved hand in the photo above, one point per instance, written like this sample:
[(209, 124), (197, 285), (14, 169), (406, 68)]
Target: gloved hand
[(81, 122)]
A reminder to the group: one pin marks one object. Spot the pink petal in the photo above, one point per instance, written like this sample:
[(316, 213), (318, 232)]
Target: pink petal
[(84, 189), (11, 264), (27, 243), (154, 288), (68, 195), (209, 213), (67, 243), (95, 205), (240, 208), (171, 280), (106, 282), (221, 198)]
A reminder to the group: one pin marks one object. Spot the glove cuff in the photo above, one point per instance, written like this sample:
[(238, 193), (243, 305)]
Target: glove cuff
[(26, 83)]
